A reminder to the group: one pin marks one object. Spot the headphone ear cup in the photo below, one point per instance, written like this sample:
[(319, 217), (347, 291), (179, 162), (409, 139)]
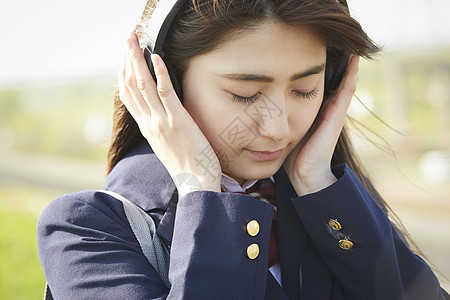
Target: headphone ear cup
[(173, 79), (336, 66), (177, 86)]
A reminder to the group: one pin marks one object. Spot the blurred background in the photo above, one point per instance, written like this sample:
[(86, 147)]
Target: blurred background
[(58, 64)]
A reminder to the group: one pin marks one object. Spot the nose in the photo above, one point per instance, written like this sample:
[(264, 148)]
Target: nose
[(271, 118)]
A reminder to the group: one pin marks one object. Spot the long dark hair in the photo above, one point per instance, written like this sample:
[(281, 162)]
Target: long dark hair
[(204, 25)]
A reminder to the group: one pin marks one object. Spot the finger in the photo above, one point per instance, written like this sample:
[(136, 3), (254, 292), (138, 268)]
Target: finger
[(332, 119), (143, 79), (124, 93), (340, 101), (130, 81), (165, 89), (348, 85)]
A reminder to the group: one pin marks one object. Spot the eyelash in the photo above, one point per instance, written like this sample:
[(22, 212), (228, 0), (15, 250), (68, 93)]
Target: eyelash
[(310, 95), (252, 99), (247, 100)]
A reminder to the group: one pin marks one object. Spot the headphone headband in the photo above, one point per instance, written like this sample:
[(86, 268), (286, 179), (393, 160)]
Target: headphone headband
[(159, 24)]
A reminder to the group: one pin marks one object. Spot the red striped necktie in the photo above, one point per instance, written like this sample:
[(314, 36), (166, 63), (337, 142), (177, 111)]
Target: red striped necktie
[(265, 191)]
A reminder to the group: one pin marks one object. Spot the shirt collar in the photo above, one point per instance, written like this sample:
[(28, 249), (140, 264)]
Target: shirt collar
[(233, 186)]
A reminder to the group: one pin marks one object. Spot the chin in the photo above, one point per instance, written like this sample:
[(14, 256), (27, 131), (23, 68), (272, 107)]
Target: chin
[(256, 173)]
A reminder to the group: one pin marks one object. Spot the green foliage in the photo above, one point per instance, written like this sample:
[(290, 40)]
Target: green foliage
[(21, 275), (411, 93), (52, 119)]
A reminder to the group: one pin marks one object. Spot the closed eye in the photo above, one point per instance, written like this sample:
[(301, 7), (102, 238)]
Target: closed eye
[(247, 100), (309, 95)]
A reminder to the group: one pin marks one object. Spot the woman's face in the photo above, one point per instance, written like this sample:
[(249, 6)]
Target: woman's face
[(256, 96)]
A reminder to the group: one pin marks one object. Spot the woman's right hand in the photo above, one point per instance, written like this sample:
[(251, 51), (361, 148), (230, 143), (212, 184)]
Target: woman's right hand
[(169, 129)]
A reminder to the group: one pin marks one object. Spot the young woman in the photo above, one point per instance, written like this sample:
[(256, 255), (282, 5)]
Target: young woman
[(261, 105)]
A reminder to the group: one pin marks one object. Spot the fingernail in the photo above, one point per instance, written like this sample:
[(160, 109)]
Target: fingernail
[(155, 60), (129, 43), (132, 40)]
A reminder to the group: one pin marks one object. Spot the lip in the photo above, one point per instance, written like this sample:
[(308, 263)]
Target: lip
[(266, 155)]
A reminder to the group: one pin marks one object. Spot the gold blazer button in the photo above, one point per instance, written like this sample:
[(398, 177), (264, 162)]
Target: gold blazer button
[(253, 251), (345, 244), (334, 224), (253, 227)]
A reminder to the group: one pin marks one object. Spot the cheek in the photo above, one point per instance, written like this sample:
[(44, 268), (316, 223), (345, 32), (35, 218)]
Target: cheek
[(310, 109), (208, 113), (305, 116)]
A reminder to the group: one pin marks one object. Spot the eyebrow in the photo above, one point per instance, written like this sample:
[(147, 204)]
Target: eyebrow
[(264, 78)]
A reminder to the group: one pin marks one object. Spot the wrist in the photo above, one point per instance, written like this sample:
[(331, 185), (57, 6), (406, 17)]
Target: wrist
[(187, 184), (313, 183)]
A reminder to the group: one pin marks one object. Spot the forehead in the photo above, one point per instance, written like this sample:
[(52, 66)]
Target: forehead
[(270, 48)]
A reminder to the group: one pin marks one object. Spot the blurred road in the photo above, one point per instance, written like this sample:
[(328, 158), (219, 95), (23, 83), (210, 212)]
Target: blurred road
[(52, 172)]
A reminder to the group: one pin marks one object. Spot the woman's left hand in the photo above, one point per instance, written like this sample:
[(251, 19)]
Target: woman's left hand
[(309, 164)]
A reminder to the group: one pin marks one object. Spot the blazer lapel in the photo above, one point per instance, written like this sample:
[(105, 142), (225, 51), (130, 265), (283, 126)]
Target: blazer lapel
[(290, 235)]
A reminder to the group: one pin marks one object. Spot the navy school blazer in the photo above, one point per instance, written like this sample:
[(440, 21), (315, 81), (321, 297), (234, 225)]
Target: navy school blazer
[(88, 251)]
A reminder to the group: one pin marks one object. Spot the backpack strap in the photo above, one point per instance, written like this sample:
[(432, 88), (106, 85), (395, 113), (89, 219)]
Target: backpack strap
[(144, 229)]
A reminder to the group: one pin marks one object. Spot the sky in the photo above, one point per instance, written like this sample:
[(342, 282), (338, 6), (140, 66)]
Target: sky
[(51, 40)]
